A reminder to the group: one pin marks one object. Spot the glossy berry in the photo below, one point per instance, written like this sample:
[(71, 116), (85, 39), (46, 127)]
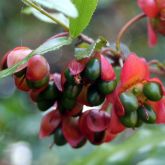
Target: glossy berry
[(92, 70), (66, 104), (153, 91), (130, 120), (59, 138), (70, 78), (49, 93), (94, 98), (147, 114), (45, 104), (129, 101), (72, 91), (106, 87)]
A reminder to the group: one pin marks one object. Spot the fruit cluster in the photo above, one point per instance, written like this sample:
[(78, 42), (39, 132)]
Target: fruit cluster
[(122, 102), (92, 82), (81, 83)]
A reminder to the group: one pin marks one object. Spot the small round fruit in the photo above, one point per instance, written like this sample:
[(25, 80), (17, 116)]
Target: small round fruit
[(49, 93), (147, 114), (153, 91), (94, 97), (92, 70), (106, 87), (67, 104), (45, 104), (129, 101), (130, 120), (72, 91), (59, 138)]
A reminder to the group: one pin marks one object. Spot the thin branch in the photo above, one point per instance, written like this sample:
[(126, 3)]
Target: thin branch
[(125, 28)]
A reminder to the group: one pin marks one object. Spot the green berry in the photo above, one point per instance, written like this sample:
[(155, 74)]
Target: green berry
[(94, 97), (92, 70), (72, 91), (129, 101), (45, 104), (106, 87), (130, 120), (59, 138), (153, 91), (147, 114), (50, 93)]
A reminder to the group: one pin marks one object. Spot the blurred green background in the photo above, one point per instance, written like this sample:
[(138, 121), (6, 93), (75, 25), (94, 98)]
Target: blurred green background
[(19, 117)]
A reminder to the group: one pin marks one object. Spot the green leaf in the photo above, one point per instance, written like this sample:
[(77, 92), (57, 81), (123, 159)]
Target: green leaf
[(86, 9), (50, 45), (58, 16), (81, 53), (64, 6), (144, 146)]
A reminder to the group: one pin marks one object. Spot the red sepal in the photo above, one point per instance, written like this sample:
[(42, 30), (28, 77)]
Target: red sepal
[(159, 108), (71, 131), (49, 123), (57, 81), (97, 121), (149, 7), (107, 72), (152, 35), (21, 83), (75, 67), (109, 137), (135, 70), (115, 125), (16, 55)]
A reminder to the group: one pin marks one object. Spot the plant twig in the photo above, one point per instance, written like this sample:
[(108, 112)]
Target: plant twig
[(125, 28)]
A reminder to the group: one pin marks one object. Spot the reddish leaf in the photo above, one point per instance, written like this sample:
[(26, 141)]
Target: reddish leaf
[(152, 36), (16, 55), (71, 131), (75, 67), (135, 70), (97, 121), (115, 125), (49, 123), (107, 72), (149, 7), (57, 81)]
